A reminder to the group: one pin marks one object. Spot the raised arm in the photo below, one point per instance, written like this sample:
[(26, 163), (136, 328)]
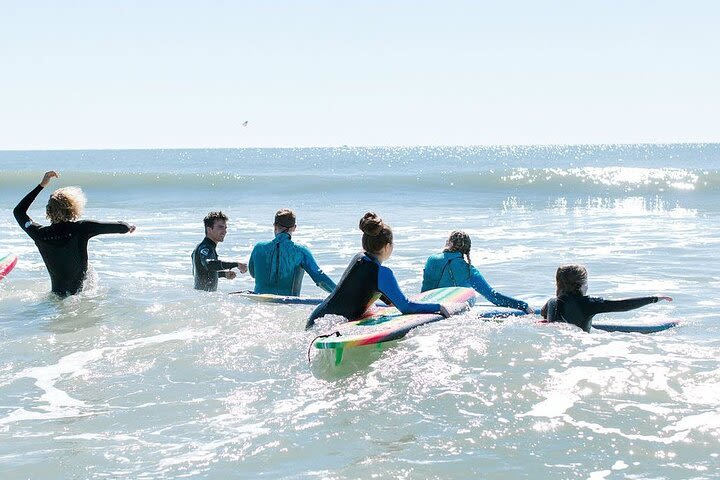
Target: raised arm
[(20, 211), (319, 277)]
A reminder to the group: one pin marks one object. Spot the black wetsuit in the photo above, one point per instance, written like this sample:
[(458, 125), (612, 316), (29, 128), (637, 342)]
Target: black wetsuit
[(363, 282), (206, 266), (63, 246), (580, 309)]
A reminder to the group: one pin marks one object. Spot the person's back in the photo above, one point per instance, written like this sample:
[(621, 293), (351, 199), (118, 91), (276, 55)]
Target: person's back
[(355, 293), (63, 244), (452, 268), (63, 248), (446, 269), (279, 265)]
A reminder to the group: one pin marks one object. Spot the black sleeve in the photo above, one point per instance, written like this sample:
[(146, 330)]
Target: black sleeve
[(20, 211), (217, 265), (548, 310), (90, 228), (600, 305)]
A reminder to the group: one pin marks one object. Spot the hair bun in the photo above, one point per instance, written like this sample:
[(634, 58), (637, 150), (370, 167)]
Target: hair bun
[(371, 224)]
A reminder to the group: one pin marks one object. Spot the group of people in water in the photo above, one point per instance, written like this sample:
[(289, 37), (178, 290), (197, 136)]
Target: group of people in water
[(278, 265)]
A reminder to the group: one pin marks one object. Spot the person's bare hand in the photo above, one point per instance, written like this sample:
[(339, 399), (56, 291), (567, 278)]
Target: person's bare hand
[(230, 275), (242, 267), (667, 299), (47, 177), (131, 228)]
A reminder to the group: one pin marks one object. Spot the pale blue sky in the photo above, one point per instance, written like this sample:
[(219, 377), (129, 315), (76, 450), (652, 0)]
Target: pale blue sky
[(134, 74)]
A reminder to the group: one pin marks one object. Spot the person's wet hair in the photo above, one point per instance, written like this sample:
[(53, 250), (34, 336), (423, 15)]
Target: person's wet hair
[(376, 234), (212, 217), (570, 279), (65, 205), (285, 219), (459, 241)]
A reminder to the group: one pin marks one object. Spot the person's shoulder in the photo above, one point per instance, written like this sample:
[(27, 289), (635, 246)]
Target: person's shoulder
[(263, 244), (437, 257), (204, 247)]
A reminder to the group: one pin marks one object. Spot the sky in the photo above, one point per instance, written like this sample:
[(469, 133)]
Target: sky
[(176, 74)]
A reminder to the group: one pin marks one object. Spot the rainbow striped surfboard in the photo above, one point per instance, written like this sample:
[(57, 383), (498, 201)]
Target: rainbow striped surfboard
[(7, 263), (387, 323)]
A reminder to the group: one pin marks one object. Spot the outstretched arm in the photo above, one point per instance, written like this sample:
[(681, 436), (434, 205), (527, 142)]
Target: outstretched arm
[(600, 305), (496, 298), (387, 284)]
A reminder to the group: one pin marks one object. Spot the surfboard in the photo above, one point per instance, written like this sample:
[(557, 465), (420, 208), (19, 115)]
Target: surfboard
[(645, 327), (635, 328), (282, 299), (7, 263), (388, 323)]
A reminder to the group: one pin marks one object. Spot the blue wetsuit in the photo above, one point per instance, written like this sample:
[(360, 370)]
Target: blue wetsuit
[(364, 281), (449, 269), (278, 267)]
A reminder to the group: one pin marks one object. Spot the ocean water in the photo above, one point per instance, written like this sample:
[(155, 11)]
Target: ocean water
[(140, 376)]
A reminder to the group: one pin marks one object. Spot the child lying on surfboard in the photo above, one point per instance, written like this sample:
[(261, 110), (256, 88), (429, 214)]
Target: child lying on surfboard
[(572, 305)]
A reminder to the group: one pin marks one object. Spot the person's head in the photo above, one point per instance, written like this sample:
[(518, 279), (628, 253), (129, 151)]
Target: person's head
[(65, 205), (571, 279), (459, 241), (284, 221), (215, 226), (377, 238)]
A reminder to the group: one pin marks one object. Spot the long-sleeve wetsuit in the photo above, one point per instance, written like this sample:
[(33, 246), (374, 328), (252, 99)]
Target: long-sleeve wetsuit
[(279, 265), (207, 267), (363, 282), (63, 245), (449, 269), (580, 309)]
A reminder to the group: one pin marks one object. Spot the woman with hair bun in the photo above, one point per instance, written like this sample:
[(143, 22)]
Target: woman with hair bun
[(365, 280), (452, 268), (572, 305)]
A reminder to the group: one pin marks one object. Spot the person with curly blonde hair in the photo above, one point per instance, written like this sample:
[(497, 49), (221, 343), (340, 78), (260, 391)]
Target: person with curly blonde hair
[(63, 244)]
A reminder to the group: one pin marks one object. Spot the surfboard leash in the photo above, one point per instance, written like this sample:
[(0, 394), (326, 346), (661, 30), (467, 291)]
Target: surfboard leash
[(336, 333)]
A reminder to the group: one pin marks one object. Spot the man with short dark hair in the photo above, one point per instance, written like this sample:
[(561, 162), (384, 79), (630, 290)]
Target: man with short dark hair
[(206, 265), (278, 266)]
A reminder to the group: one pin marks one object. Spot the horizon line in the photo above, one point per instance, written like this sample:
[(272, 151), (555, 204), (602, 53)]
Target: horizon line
[(369, 147)]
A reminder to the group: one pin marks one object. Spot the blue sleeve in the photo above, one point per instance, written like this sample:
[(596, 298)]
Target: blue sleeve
[(481, 285), (387, 284), (311, 267), (251, 262)]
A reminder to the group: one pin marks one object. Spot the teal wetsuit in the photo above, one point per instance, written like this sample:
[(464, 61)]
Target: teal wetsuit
[(278, 267), (449, 269)]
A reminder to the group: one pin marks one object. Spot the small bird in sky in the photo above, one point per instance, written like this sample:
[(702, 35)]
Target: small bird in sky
[(244, 124)]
